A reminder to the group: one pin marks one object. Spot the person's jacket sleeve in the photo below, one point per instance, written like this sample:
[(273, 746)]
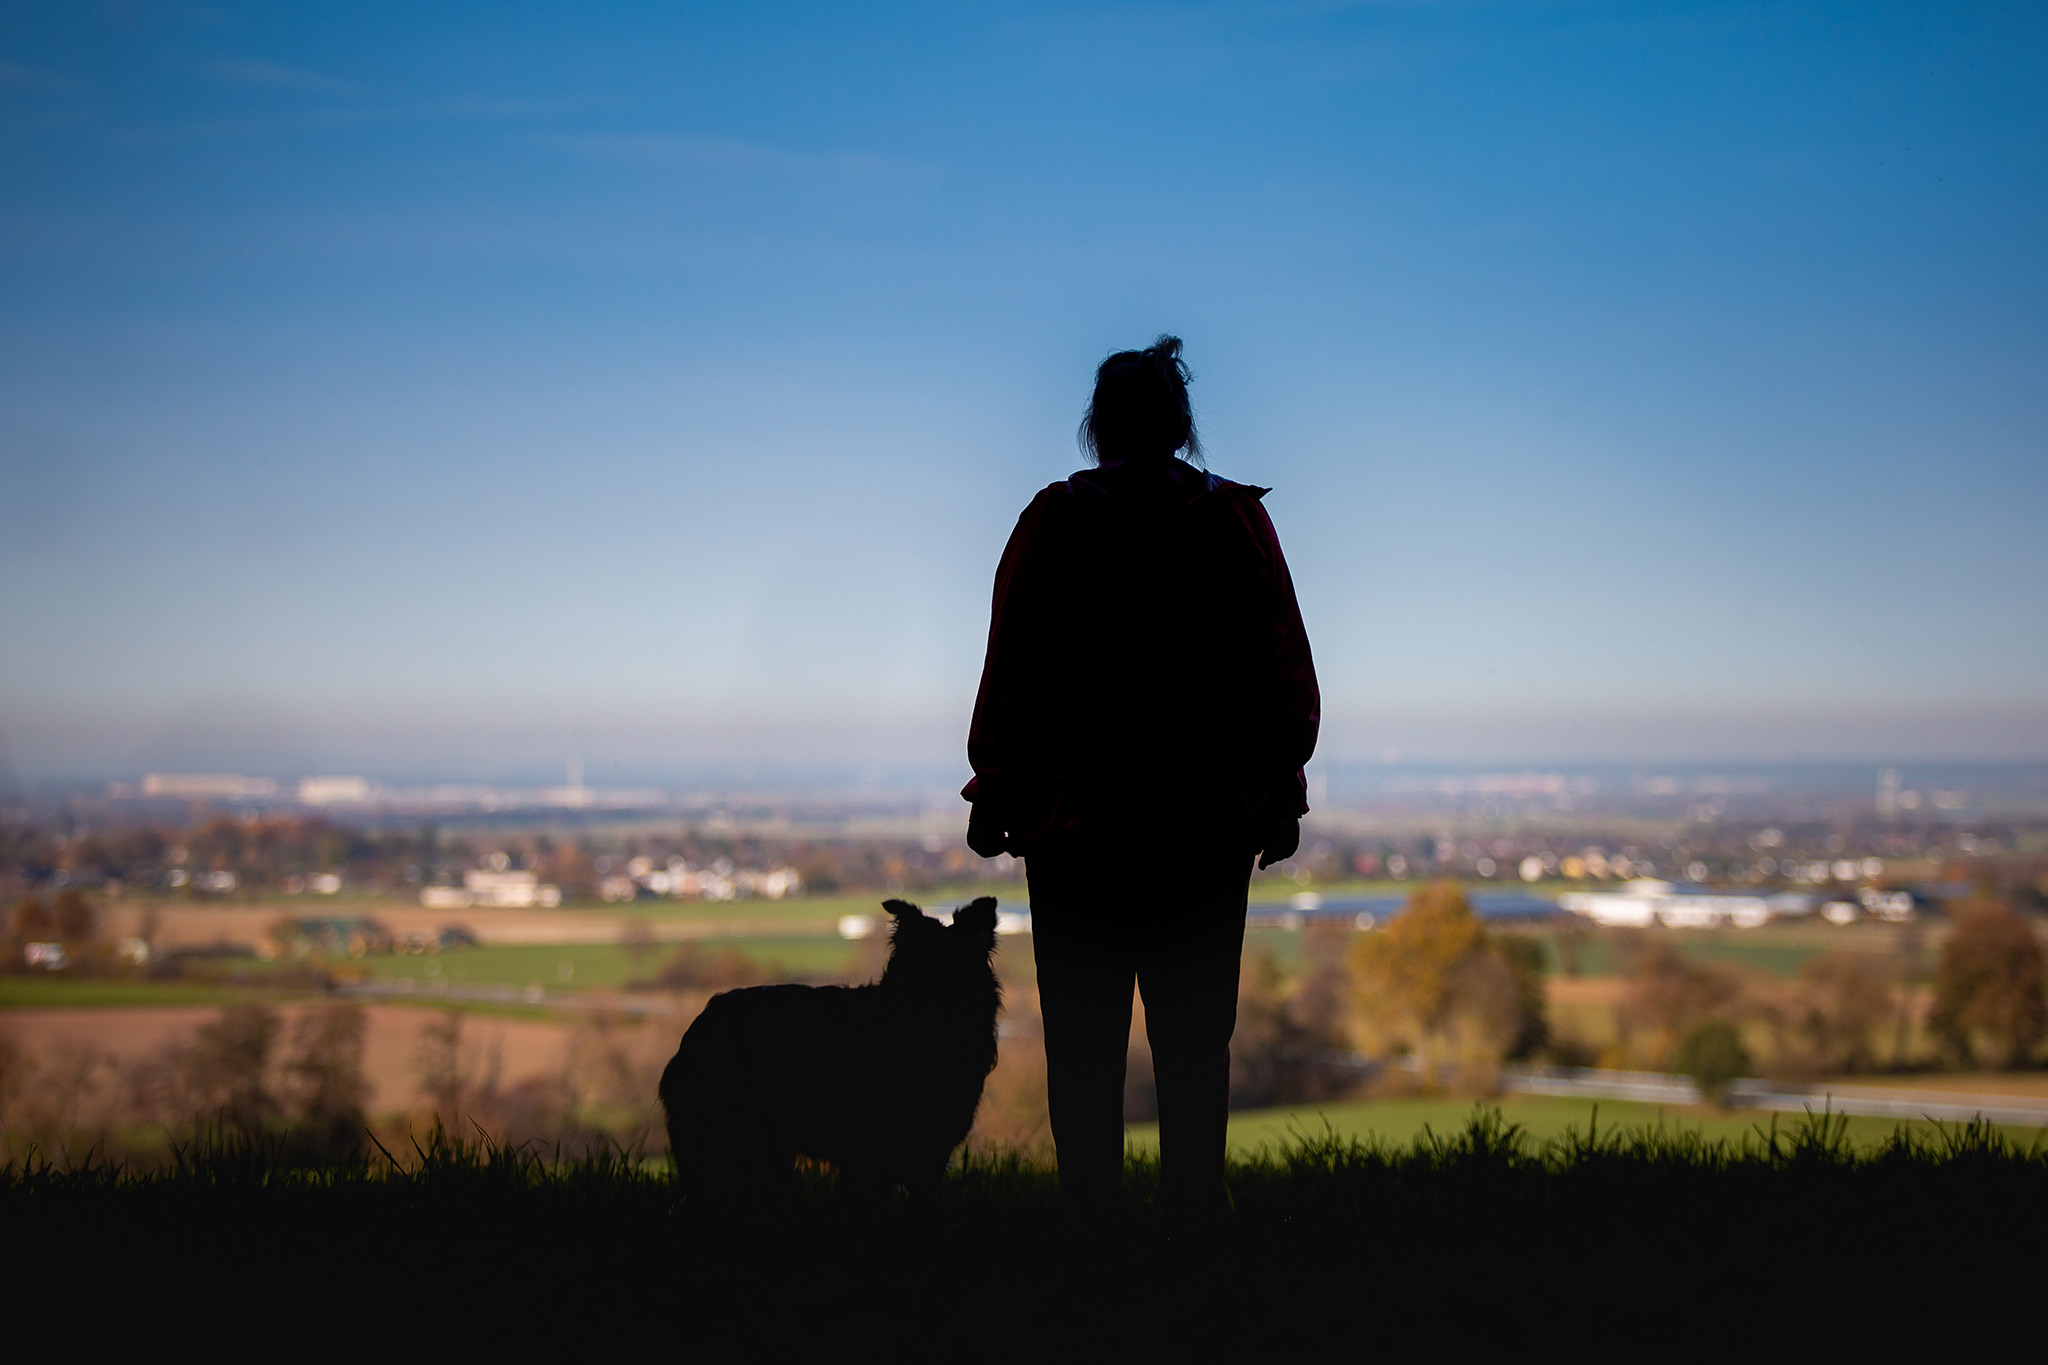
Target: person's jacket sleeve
[(1000, 739), (1296, 703)]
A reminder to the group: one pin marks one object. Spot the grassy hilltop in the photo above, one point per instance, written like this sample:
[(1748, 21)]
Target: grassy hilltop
[(1481, 1237)]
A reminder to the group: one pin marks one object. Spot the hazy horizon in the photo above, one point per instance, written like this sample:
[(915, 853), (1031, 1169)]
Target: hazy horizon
[(667, 745), (423, 393)]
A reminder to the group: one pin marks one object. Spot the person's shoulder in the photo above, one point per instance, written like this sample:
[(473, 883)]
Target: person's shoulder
[(1237, 503), (1043, 512), (1051, 497), (1242, 506), (1229, 488)]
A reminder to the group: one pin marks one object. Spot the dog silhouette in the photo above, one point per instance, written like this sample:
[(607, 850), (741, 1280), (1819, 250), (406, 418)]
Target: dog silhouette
[(880, 1080)]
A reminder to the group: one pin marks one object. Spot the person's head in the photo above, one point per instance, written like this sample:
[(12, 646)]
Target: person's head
[(1139, 412)]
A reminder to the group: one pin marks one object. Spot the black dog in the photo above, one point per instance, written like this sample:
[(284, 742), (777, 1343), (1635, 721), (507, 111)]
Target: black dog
[(880, 1080)]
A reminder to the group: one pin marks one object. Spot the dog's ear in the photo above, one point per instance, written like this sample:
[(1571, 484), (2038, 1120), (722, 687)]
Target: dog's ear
[(904, 910), (978, 917)]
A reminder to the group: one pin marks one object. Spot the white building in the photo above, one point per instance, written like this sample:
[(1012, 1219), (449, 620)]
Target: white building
[(1893, 907), (336, 791), (488, 887), (1647, 901), (208, 786), (513, 889), (719, 882)]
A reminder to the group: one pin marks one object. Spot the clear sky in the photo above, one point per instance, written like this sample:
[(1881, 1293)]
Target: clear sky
[(435, 389)]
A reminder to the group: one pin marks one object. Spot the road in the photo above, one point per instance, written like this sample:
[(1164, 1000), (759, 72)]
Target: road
[(1654, 1087), (535, 997)]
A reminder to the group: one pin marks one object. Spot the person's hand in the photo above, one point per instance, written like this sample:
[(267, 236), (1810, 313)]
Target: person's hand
[(1283, 837), (985, 833)]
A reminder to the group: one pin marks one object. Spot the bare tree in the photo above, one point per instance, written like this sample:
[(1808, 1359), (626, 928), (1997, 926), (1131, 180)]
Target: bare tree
[(1571, 939), (1846, 999), (16, 1066), (32, 920), (227, 1067), (326, 1074), (636, 937), (1670, 997), (1910, 948), (440, 1065), (77, 918)]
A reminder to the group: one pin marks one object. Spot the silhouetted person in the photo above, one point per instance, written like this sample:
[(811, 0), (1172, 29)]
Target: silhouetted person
[(1146, 708)]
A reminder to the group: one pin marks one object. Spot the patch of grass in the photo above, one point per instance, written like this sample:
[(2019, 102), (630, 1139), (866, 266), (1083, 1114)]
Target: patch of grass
[(57, 992), (1477, 1232), (1541, 1118), (596, 966), (1777, 949)]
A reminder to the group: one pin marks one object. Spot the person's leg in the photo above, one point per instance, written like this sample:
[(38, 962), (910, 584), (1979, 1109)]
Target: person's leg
[(1188, 973), (1085, 980)]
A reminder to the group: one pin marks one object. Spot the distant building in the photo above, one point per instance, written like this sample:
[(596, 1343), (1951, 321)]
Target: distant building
[(489, 887), (719, 882), (336, 791), (208, 786), (1894, 907), (510, 888), (1647, 901), (867, 926), (775, 883)]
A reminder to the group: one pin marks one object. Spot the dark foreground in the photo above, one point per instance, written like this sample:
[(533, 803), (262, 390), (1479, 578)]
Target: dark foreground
[(1606, 1241)]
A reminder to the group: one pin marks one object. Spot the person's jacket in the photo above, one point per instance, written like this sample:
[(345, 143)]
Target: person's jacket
[(1147, 669)]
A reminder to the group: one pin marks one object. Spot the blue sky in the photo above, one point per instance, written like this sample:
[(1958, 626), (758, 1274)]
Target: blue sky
[(436, 389)]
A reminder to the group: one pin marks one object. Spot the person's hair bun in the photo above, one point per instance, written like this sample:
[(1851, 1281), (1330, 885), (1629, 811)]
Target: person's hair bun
[(1140, 407)]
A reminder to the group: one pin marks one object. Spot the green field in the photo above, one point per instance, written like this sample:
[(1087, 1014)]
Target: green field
[(574, 966), (1778, 949), (804, 939), (799, 939), (44, 992), (809, 913), (1543, 1117), (1775, 949), (809, 948), (599, 966)]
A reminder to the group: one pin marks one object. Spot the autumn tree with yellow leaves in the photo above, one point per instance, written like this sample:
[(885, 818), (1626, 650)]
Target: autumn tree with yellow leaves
[(1435, 981)]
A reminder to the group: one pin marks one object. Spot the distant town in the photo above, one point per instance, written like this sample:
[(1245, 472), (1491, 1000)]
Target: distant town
[(1692, 850)]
